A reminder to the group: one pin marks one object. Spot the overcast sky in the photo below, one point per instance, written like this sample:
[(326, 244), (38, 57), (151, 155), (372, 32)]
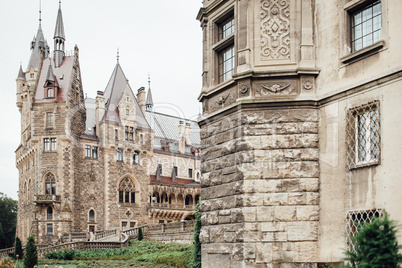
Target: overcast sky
[(159, 37)]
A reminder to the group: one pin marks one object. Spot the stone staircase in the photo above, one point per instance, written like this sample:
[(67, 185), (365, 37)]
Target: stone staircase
[(176, 232)]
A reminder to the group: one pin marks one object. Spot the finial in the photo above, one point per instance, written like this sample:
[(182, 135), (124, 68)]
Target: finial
[(118, 56), (59, 3), (40, 13), (149, 81)]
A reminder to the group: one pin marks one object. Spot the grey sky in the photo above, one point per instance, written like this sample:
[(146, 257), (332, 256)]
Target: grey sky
[(157, 36)]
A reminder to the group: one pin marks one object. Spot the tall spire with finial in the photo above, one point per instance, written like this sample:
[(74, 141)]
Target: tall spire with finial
[(37, 45), (59, 39), (118, 56), (40, 13), (149, 104)]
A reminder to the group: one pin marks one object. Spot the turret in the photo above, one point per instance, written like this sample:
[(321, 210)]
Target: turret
[(59, 39), (20, 84), (141, 98), (100, 110)]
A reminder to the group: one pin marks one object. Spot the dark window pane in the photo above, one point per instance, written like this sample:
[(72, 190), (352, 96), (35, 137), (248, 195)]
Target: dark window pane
[(132, 197), (120, 196), (126, 197)]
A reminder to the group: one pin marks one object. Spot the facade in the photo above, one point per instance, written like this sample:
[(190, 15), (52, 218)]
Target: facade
[(300, 128), (87, 165)]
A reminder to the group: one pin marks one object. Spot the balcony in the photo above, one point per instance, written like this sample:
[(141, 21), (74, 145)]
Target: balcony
[(172, 206), (46, 199)]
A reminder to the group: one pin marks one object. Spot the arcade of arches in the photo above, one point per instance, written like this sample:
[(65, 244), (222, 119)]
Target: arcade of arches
[(172, 203)]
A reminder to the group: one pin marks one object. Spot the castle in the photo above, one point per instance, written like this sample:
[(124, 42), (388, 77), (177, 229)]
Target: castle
[(87, 165), (301, 127)]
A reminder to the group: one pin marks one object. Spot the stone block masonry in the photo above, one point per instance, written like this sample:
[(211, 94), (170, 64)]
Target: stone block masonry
[(260, 188)]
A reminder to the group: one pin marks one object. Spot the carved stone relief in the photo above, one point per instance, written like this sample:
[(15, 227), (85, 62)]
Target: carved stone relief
[(275, 29), (307, 84), (244, 88), (276, 88), (222, 100)]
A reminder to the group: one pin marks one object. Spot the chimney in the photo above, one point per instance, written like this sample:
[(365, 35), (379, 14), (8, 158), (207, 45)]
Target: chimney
[(100, 110), (187, 133), (182, 144), (141, 98)]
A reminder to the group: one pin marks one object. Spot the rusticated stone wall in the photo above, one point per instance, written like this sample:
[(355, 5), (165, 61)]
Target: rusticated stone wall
[(260, 187)]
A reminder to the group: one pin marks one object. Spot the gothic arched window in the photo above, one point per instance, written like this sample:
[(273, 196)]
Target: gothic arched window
[(49, 213), (50, 184), (91, 216), (127, 191)]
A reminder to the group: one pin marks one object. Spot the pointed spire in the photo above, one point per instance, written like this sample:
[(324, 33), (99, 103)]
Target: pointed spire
[(50, 76), (59, 30), (149, 103), (59, 39), (21, 75)]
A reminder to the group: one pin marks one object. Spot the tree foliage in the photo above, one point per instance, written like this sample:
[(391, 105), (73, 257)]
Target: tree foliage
[(31, 253), (197, 244), (18, 249), (8, 220), (376, 245), (140, 235)]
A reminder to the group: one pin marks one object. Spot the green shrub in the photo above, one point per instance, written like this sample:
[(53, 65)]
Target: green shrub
[(196, 253), (31, 254), (140, 235), (375, 245), (18, 249)]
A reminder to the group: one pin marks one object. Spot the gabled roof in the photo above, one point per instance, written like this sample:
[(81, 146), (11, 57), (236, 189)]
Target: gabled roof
[(63, 75), (113, 93), (40, 42), (166, 127), (59, 30)]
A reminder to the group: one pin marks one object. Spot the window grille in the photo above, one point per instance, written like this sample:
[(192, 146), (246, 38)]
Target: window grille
[(356, 218), (363, 135)]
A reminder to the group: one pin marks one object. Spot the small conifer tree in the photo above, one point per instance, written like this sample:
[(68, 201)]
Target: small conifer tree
[(375, 245), (140, 236), (31, 254), (18, 253), (197, 244)]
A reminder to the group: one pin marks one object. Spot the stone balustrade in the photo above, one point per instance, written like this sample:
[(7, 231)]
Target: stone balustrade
[(46, 199)]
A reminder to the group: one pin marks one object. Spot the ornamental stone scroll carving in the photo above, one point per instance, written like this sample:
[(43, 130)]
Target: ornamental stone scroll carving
[(276, 88), (275, 29)]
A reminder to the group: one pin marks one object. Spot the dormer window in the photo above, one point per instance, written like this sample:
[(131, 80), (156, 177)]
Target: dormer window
[(127, 112), (50, 93), (32, 75)]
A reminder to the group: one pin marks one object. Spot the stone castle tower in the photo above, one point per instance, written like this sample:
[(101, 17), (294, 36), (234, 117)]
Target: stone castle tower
[(87, 165), (300, 103)]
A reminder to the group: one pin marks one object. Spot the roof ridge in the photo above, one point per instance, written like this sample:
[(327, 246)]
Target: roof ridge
[(181, 118)]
